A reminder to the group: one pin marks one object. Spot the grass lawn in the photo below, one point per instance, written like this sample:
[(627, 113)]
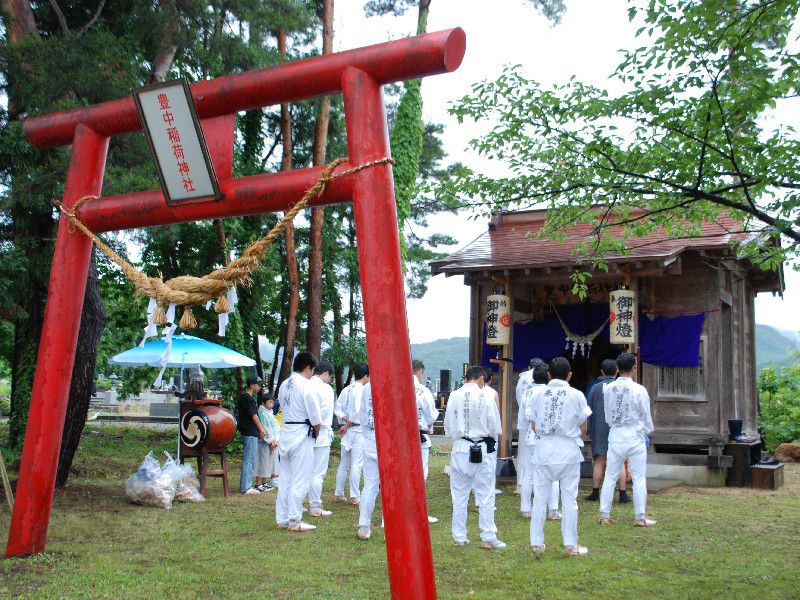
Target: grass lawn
[(709, 543)]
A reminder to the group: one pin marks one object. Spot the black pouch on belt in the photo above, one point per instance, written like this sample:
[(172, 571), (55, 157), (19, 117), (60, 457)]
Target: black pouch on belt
[(476, 453), (491, 444), (422, 438)]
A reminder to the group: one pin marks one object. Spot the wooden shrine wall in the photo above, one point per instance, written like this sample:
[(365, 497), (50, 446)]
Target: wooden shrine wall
[(691, 405)]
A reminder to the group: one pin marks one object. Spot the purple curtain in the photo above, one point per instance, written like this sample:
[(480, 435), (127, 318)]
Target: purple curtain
[(671, 341), (547, 339)]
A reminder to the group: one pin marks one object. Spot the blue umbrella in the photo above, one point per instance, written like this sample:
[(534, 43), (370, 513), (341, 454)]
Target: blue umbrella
[(187, 351)]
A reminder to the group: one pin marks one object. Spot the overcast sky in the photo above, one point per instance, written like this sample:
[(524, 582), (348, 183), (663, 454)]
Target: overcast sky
[(585, 44)]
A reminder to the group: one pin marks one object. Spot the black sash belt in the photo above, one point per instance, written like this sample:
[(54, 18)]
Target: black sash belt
[(491, 443), (311, 432), (422, 436)]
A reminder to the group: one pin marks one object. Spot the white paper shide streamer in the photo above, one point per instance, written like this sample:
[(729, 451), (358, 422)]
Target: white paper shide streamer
[(579, 342)]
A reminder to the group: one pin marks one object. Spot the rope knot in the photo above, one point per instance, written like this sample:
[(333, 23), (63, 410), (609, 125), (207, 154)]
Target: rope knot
[(188, 291)]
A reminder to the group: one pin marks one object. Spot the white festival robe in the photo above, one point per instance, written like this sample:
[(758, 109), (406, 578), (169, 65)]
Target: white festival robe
[(352, 452), (472, 413), (557, 413), (527, 440), (295, 448), (524, 384), (426, 417), (369, 493), (627, 406), (322, 446)]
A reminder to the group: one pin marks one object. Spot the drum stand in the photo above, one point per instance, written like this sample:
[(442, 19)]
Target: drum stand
[(203, 472)]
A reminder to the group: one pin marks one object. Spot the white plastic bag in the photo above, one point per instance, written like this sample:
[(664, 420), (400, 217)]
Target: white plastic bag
[(187, 487), (150, 485)]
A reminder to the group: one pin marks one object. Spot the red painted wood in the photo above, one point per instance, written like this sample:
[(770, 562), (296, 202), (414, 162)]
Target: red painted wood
[(270, 192), (218, 133), (409, 58), (405, 507), (62, 317)]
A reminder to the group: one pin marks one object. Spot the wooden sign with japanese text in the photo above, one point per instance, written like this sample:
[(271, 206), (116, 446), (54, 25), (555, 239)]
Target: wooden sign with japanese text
[(170, 122), (622, 317)]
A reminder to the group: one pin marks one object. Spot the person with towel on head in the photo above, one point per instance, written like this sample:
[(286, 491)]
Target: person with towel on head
[(528, 439), (558, 416), (472, 421), (598, 430), (426, 416), (352, 454), (301, 426), (627, 407), (524, 383), (321, 385)]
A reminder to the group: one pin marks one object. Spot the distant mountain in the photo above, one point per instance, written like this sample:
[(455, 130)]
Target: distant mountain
[(442, 354), (773, 346)]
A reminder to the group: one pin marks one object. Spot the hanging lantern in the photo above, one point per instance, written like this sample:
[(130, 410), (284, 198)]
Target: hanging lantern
[(622, 317), (498, 319)]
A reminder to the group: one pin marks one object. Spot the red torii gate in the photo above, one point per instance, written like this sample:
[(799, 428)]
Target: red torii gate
[(358, 74)]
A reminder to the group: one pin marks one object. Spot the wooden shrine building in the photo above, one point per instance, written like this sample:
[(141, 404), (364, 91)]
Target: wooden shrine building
[(695, 330)]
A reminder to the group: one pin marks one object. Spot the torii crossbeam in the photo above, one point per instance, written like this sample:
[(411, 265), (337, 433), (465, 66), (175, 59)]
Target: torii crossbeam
[(358, 75)]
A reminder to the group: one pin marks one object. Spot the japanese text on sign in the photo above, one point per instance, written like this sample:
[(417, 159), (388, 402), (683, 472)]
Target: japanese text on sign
[(498, 319), (622, 317), (179, 149)]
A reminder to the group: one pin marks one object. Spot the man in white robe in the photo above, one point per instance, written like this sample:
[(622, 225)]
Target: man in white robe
[(372, 482), (528, 440), (472, 421), (524, 383), (320, 384), (352, 453), (301, 424), (627, 406), (426, 416), (558, 414)]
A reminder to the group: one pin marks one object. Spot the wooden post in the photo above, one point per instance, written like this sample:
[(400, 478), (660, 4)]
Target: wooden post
[(6, 484), (503, 402)]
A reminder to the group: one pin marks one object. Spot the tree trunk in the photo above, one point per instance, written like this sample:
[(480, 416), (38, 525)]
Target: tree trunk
[(291, 251), (257, 354), (27, 331), (168, 45), (314, 331), (274, 369), (422, 16), (338, 324), (93, 322), (19, 20)]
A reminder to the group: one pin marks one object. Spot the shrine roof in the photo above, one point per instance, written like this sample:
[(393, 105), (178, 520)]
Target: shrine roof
[(507, 244)]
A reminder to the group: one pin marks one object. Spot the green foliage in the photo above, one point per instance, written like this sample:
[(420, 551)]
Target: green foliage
[(693, 136), (5, 406), (407, 144), (779, 404)]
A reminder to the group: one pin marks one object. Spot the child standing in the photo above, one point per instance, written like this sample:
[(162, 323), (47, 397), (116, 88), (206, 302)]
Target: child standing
[(266, 471)]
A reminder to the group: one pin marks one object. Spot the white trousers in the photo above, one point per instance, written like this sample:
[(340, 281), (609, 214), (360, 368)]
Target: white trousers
[(296, 468), (465, 475), (526, 488), (522, 460), (635, 452), (372, 485), (568, 476), (426, 455), (350, 467), (322, 455)]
